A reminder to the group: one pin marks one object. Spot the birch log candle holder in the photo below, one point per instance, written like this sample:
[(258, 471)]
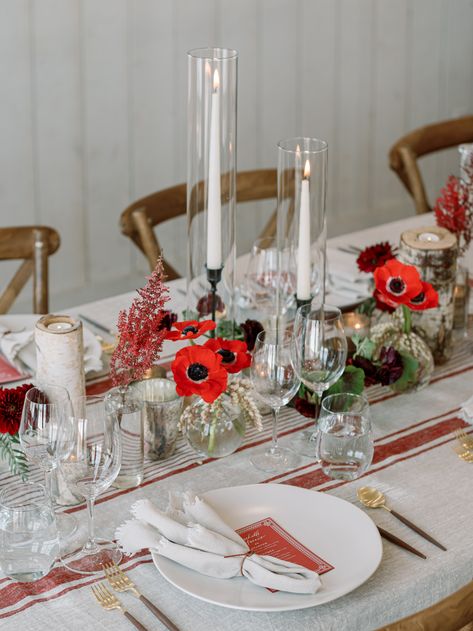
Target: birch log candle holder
[(60, 353), (433, 251)]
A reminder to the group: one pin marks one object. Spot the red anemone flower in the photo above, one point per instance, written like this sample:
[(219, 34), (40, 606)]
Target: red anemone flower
[(397, 283), (426, 299), (234, 353), (198, 370), (190, 329)]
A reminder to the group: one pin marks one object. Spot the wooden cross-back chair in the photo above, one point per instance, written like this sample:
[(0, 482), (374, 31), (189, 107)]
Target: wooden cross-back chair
[(454, 613), (139, 219), (420, 142), (34, 244)]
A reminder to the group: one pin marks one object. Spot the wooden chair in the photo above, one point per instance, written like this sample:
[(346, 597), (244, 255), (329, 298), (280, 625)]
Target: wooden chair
[(454, 613), (34, 244), (403, 155), (139, 219)]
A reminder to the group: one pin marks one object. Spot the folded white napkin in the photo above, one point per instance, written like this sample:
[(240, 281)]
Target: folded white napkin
[(17, 343), (191, 533), (466, 411), (344, 277)]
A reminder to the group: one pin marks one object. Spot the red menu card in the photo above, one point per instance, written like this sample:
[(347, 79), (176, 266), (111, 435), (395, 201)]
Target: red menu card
[(268, 537), (8, 372)]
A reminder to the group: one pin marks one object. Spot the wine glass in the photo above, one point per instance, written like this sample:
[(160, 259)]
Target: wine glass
[(319, 354), (270, 276), (91, 469), (276, 382), (47, 434), (344, 444)]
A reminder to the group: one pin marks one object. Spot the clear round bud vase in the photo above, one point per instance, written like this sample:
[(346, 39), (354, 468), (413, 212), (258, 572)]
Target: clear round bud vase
[(301, 224), (211, 182)]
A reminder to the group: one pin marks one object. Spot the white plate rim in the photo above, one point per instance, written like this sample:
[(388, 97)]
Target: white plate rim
[(312, 600)]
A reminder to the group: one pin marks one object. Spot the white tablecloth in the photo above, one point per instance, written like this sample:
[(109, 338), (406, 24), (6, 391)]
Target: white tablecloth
[(414, 464)]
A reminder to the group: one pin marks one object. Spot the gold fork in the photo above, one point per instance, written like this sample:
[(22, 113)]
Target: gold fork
[(464, 439), (464, 454), (120, 582), (109, 601)]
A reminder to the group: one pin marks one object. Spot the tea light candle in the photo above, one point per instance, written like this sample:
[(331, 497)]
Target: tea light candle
[(356, 324), (60, 326)]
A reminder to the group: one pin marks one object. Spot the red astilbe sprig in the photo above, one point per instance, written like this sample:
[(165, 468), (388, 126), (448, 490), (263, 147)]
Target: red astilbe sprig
[(141, 330), (454, 207)]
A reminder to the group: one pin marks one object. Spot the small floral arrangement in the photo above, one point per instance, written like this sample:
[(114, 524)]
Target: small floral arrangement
[(11, 406), (454, 208)]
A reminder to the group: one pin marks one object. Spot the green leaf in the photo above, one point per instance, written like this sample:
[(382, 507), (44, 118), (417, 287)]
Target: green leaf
[(188, 314), (409, 374), (367, 307), (229, 330), (364, 346), (352, 380), (11, 452)]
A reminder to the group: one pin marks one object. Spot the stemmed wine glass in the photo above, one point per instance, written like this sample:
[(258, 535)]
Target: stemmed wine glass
[(92, 467), (276, 382), (270, 275), (47, 435), (319, 354)]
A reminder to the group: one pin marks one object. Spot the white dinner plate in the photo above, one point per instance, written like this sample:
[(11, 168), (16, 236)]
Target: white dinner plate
[(332, 528)]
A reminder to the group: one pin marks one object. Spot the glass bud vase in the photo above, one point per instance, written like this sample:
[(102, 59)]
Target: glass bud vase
[(214, 430), (417, 357)]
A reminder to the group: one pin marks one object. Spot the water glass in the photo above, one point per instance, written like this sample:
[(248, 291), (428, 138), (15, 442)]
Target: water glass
[(127, 407), (29, 543), (344, 443)]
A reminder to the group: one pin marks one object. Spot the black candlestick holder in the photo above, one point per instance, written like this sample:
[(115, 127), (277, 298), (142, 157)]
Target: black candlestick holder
[(214, 276), (302, 303)]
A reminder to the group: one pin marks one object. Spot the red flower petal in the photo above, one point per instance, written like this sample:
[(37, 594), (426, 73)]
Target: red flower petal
[(190, 329)]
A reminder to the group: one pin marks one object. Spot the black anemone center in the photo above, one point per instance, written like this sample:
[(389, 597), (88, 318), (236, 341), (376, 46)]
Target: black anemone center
[(419, 299), (396, 285), (197, 372), (190, 329), (227, 356)]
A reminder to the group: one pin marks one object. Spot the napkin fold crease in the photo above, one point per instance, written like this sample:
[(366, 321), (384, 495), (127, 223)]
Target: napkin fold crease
[(192, 533)]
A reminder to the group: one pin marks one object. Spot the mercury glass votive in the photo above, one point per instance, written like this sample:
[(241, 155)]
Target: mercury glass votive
[(356, 324), (162, 410)]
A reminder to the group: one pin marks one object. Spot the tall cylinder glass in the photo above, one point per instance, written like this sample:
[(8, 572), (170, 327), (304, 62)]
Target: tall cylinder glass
[(211, 181), (302, 175)]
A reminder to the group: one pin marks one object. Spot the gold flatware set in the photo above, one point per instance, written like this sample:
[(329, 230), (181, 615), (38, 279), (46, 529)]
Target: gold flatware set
[(120, 582), (465, 449), (373, 498)]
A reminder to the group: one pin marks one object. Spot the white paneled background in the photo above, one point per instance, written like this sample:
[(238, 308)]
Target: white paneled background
[(93, 110)]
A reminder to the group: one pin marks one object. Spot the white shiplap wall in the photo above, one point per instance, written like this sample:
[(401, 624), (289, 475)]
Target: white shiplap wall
[(93, 109)]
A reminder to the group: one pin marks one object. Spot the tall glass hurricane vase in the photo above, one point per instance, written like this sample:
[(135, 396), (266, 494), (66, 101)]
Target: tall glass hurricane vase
[(211, 181), (302, 175)]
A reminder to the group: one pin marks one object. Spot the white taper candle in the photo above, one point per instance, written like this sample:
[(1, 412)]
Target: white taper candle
[(214, 213)]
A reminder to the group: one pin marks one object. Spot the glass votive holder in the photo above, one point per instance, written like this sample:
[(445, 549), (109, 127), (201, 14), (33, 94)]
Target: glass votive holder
[(128, 408), (356, 324), (29, 543), (162, 410)]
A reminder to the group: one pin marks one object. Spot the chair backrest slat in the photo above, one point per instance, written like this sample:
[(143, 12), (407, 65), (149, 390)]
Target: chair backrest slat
[(420, 142), (139, 219)]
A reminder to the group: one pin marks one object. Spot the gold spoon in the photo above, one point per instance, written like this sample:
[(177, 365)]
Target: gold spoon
[(373, 498)]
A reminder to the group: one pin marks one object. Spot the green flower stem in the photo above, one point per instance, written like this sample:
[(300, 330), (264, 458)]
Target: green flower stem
[(212, 434), (407, 317)]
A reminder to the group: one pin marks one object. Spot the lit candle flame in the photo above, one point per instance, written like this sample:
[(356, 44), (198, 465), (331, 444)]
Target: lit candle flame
[(216, 80), (307, 169)]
